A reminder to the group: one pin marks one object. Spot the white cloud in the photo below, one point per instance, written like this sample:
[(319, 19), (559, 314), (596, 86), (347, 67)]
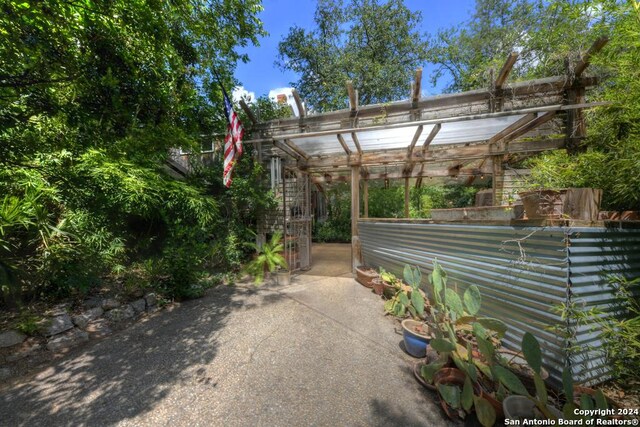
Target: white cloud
[(239, 92)]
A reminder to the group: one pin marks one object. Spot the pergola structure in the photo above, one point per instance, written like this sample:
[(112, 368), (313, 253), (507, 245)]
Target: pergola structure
[(466, 134)]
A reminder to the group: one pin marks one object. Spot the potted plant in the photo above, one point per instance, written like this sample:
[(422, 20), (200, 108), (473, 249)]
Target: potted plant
[(268, 257), (408, 298), (365, 275), (387, 284), (475, 390)]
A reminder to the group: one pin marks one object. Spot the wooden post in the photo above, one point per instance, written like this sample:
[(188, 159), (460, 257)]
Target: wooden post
[(406, 197), (498, 180), (356, 255), (365, 196)]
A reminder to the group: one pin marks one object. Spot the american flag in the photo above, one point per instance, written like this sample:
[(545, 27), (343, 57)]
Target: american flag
[(232, 142)]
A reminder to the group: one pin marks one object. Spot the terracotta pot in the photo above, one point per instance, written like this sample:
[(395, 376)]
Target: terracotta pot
[(417, 372), (365, 276), (380, 287), (449, 376)]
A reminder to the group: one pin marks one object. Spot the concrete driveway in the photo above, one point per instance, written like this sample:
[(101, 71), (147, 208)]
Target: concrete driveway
[(316, 353)]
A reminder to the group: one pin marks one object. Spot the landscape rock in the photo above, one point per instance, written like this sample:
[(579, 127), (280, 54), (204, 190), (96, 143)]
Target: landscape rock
[(56, 325), (151, 299), (93, 302), (58, 310), (119, 314), (81, 320), (98, 328), (5, 373), (139, 305), (11, 338), (23, 353), (68, 340), (110, 303)]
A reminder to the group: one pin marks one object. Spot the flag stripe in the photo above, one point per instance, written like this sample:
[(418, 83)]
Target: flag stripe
[(232, 142)]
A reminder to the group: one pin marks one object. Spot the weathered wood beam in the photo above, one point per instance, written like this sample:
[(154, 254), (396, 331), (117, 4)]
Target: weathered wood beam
[(296, 97), (497, 181), (356, 141), (457, 153), (287, 150), (344, 144), (356, 255), (353, 98), (434, 131), (543, 87), (505, 70), (248, 112), (414, 140), (555, 107), (428, 173), (584, 61), (528, 127), (512, 127), (297, 149), (416, 87)]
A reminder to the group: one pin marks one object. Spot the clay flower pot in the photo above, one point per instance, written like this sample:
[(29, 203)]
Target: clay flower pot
[(365, 276)]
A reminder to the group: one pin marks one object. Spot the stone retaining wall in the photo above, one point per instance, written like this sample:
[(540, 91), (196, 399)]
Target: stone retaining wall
[(62, 330)]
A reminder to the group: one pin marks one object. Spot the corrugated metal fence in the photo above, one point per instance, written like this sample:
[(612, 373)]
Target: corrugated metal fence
[(522, 272)]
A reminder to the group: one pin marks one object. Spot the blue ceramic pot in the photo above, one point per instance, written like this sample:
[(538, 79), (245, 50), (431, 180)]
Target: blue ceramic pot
[(415, 344)]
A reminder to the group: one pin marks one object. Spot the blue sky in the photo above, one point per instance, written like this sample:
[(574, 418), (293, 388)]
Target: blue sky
[(261, 74)]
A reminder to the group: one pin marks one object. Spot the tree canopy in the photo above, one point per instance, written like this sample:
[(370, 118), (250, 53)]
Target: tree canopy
[(93, 93), (372, 43)]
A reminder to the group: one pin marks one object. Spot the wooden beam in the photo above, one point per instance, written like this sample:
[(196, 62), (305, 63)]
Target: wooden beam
[(353, 98), (248, 112), (528, 127), (416, 136), (428, 173), (344, 144), (505, 70), (554, 107), (297, 149), (296, 97), (549, 86), (497, 180), (512, 127), (434, 131), (583, 63), (416, 87), (356, 254), (354, 137), (286, 149), (442, 154)]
